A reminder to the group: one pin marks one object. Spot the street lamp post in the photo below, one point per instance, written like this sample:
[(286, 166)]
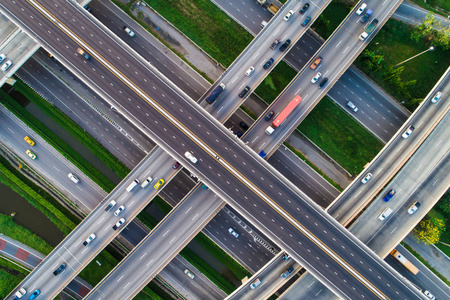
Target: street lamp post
[(429, 49)]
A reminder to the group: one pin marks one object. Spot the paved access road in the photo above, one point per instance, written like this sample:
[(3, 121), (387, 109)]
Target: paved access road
[(219, 144)]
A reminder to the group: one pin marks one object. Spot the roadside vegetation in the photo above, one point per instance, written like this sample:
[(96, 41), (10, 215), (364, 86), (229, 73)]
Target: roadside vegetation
[(340, 136), (331, 17), (55, 141), (275, 82), (410, 82), (74, 129), (10, 276), (37, 197), (205, 24), (441, 214), (441, 7)]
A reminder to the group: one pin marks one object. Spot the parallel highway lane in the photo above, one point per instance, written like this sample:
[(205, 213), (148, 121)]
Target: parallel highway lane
[(196, 121)]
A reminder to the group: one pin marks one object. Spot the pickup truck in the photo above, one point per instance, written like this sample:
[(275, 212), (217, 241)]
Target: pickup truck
[(275, 43)]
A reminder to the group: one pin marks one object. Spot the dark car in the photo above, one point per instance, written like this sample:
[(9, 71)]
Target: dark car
[(244, 92), (268, 64), (323, 82), (59, 270), (238, 133), (304, 8), (308, 18), (269, 115), (176, 165), (389, 195), (285, 45), (243, 125)]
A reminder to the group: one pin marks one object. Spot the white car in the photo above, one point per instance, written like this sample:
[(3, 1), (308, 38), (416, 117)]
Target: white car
[(128, 31), (255, 283), (429, 295), (119, 210), (408, 132), (6, 65), (436, 97), (89, 239), (315, 78), (366, 178), (249, 71), (189, 274), (73, 178), (288, 15), (352, 106), (233, 233), (361, 9), (119, 223), (191, 157), (2, 57), (413, 208), (20, 293)]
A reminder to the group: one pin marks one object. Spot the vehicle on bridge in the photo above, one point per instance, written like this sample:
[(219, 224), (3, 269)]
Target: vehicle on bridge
[(368, 30), (19, 294), (412, 268), (283, 115), (83, 53), (131, 186), (215, 93)]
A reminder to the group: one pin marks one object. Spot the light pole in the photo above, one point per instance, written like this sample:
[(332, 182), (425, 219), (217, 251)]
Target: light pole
[(429, 49)]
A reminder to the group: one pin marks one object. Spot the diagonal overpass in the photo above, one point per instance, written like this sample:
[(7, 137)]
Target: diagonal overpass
[(219, 155)]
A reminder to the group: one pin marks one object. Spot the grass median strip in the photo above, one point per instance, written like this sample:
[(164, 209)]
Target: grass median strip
[(55, 142), (340, 136), (73, 128)]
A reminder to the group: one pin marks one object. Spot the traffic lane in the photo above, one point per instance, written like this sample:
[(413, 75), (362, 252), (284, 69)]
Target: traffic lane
[(425, 279), (270, 278), (99, 222), (48, 85), (302, 176), (158, 247), (244, 248), (198, 288), (308, 287), (420, 189), (48, 162), (398, 150), (150, 48)]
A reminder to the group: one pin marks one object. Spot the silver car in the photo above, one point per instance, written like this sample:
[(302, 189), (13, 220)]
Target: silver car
[(352, 106)]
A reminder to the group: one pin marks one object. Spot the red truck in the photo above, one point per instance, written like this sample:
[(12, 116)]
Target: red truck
[(284, 114)]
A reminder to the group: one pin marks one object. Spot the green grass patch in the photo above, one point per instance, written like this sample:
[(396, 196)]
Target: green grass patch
[(37, 197), (249, 112), (94, 273), (9, 228), (420, 258), (394, 44), (313, 166), (74, 129), (56, 142), (438, 212), (441, 7), (330, 19), (275, 82), (209, 27), (340, 136), (10, 276)]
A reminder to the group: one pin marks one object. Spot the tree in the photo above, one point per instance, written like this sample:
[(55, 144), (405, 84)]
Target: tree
[(444, 203), (429, 231)]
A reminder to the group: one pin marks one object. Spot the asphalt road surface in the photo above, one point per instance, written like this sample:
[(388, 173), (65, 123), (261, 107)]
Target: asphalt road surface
[(219, 145)]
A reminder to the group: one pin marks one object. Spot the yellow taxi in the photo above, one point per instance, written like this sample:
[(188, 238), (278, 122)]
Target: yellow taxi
[(29, 141), (159, 184)]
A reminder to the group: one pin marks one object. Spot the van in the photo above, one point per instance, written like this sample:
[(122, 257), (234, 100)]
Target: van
[(385, 214), (73, 178), (132, 185), (146, 182)]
